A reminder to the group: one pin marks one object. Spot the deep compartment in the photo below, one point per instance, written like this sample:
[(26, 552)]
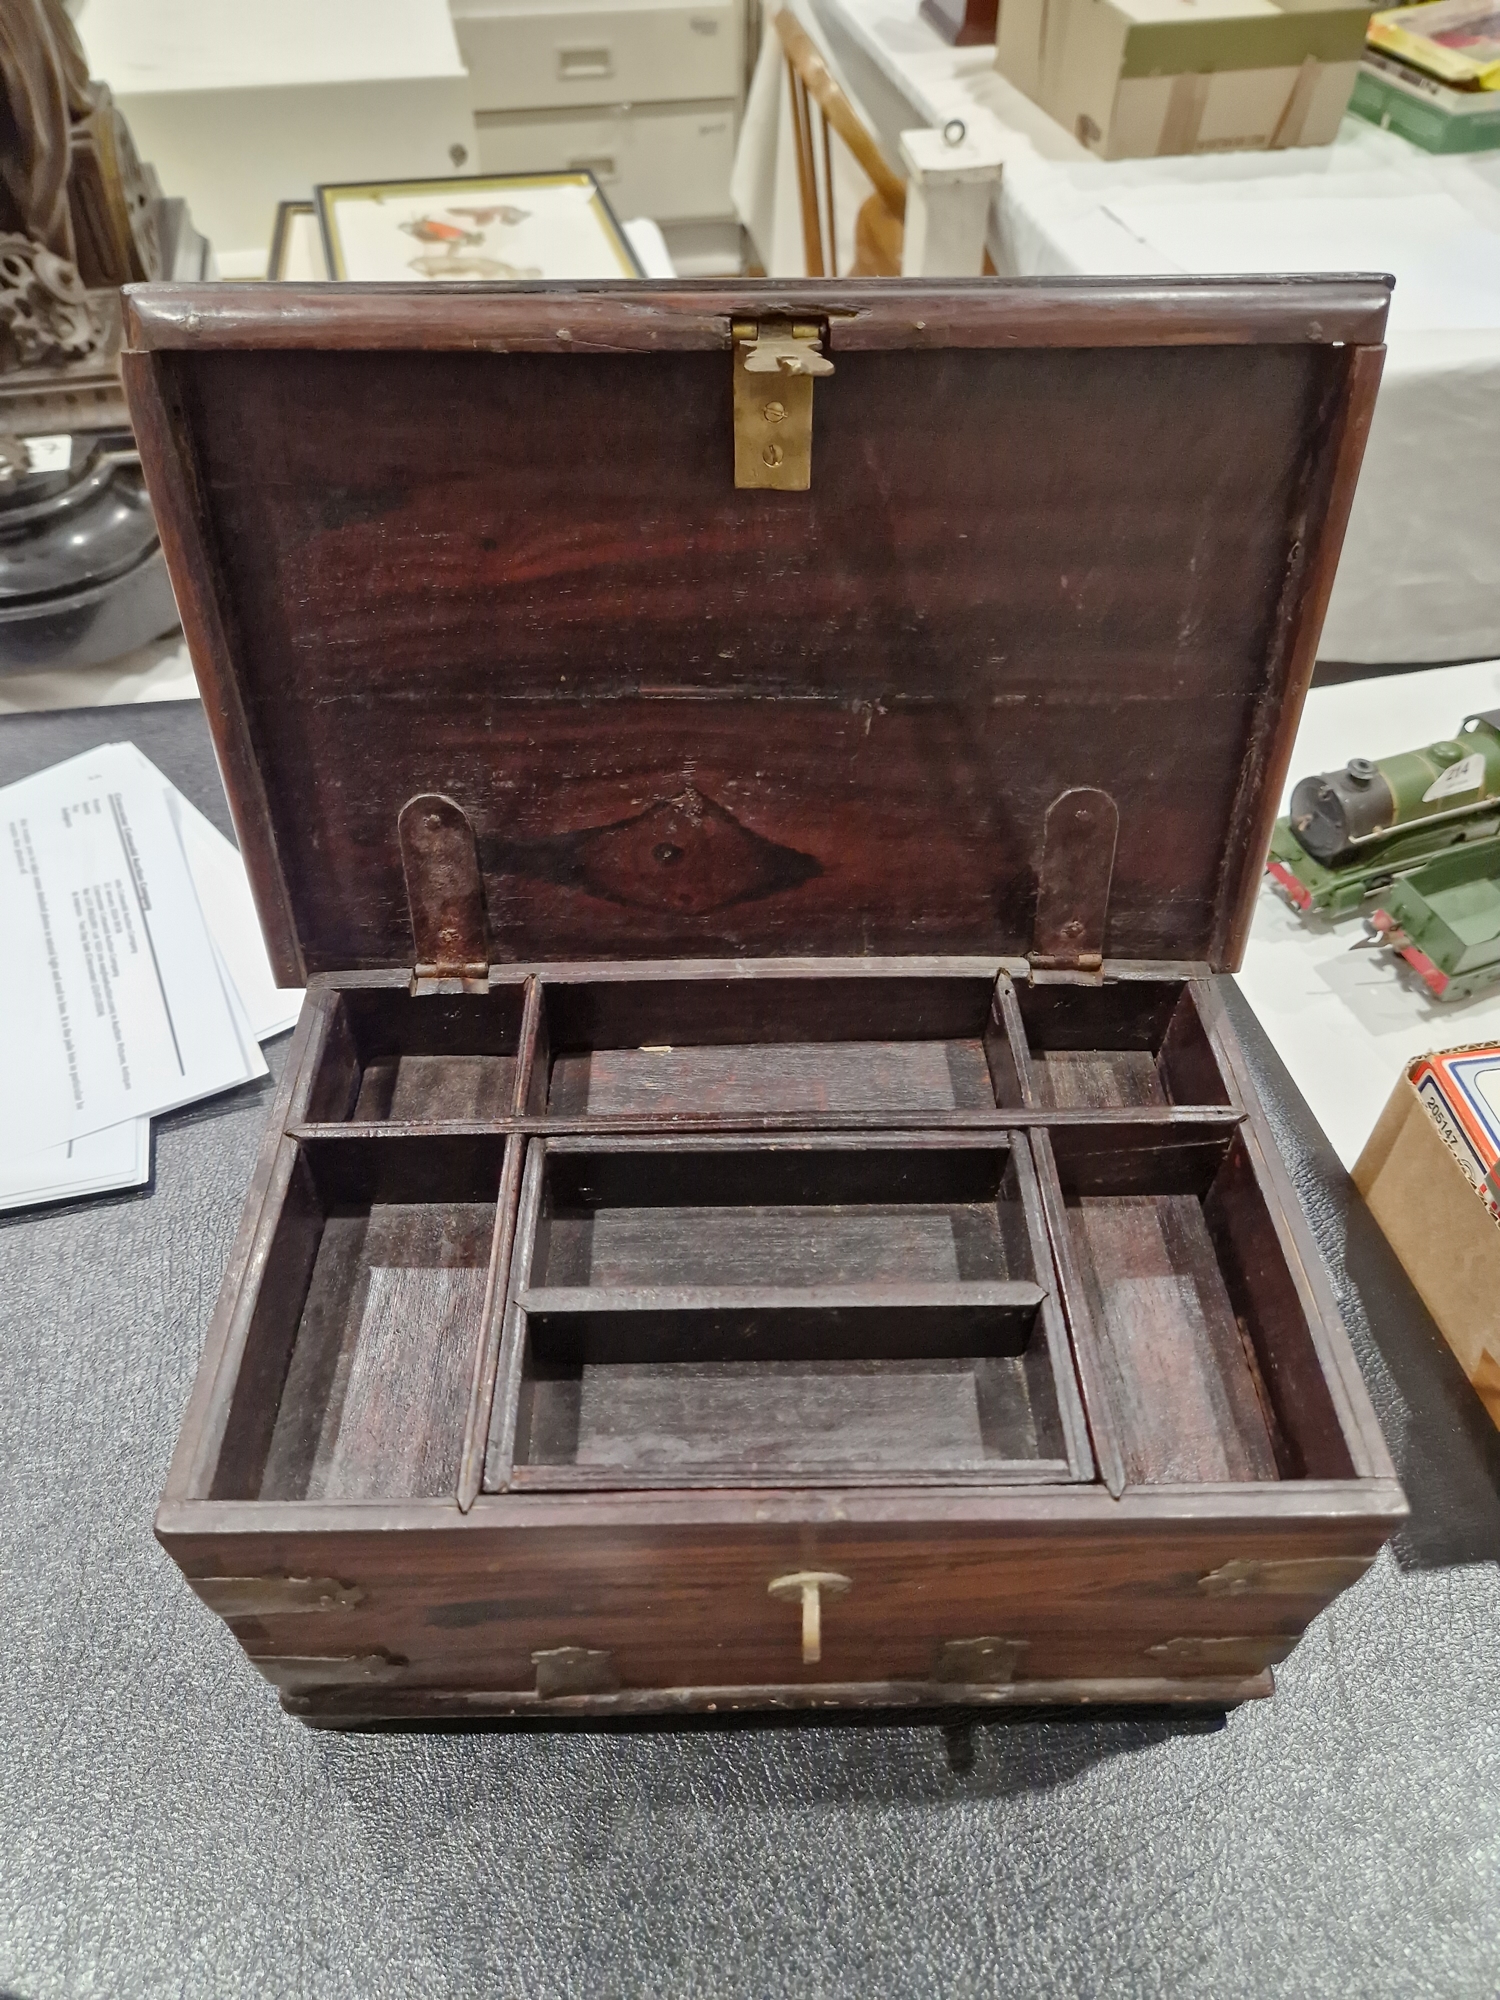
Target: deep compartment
[(443, 1056), (1207, 1351), (361, 1350), (800, 1046), (765, 1311), (1126, 1042)]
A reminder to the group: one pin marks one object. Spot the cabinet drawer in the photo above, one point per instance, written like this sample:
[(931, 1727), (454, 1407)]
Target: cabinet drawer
[(544, 57), (670, 162)]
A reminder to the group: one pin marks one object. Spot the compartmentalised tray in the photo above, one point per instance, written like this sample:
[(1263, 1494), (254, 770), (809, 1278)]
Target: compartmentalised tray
[(716, 1047), (733, 1312), (1078, 1284), (731, 1275)]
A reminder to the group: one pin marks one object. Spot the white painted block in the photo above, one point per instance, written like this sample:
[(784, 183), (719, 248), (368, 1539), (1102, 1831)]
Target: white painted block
[(949, 188)]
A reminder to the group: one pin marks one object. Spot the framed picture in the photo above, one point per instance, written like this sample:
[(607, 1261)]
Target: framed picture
[(474, 227), (297, 243)]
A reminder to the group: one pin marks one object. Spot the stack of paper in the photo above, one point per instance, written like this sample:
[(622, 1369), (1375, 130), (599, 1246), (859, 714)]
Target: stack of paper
[(136, 979)]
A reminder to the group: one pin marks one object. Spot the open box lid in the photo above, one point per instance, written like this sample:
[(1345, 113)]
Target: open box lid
[(488, 542)]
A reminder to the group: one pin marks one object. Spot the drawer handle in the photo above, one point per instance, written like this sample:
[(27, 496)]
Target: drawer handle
[(602, 167), (809, 1585), (573, 65)]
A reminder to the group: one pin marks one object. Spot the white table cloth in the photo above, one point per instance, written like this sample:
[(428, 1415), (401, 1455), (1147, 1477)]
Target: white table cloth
[(1420, 576)]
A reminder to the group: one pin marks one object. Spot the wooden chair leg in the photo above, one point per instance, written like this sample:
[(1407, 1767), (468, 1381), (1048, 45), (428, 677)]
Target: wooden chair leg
[(807, 183), (831, 244), (878, 237)]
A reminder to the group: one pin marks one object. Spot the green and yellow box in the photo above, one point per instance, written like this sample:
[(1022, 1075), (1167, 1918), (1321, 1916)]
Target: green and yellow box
[(1430, 114)]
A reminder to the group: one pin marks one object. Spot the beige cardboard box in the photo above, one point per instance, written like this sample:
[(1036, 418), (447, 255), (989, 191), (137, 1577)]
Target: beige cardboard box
[(1134, 78), (1438, 1224)]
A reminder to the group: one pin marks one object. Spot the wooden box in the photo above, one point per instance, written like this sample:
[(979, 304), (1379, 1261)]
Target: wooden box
[(765, 1208)]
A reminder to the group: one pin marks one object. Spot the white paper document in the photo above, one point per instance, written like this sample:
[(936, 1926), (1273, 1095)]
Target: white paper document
[(142, 971), (114, 1006), (118, 1157), (224, 892)]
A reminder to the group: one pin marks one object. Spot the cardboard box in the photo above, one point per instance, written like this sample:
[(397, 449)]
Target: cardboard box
[(1135, 78), (1400, 99), (1430, 1173)]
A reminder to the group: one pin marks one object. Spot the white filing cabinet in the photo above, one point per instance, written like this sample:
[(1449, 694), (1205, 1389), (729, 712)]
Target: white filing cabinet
[(646, 93), (242, 106)]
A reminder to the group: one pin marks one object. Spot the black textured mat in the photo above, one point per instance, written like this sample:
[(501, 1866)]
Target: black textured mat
[(166, 1830)]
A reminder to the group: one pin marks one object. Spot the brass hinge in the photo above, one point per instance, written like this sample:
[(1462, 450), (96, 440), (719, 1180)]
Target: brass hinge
[(986, 1662), (299, 1673), (274, 1596), (1300, 1576), (775, 361), (1073, 881), (445, 894), (1249, 1652)]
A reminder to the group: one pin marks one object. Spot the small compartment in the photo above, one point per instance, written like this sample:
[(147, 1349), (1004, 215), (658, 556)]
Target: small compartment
[(772, 1312), (360, 1355), (1192, 1308), (392, 1057), (1127, 1042), (770, 1044)]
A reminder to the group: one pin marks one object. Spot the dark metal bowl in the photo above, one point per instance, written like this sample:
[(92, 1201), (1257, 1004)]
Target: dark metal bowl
[(81, 573)]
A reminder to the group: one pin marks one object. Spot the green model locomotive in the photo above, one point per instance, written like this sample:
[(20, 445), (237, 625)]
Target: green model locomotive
[(1419, 835)]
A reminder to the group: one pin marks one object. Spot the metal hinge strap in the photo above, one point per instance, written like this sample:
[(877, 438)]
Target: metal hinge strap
[(275, 1596), (1073, 882), (1297, 1576), (445, 894), (987, 1662)]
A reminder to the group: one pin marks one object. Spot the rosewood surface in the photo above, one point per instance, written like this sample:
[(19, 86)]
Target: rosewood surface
[(687, 720), (765, 1206), (1048, 1380)]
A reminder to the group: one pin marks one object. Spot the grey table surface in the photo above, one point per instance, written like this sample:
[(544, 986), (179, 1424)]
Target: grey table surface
[(165, 1829)]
